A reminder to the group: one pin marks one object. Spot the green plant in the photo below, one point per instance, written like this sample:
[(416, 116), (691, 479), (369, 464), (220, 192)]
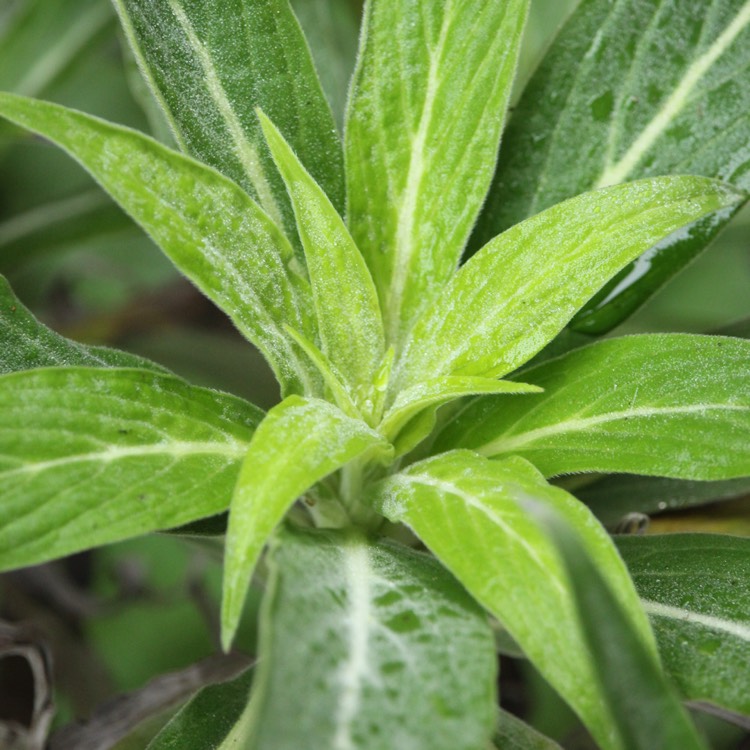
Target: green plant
[(371, 326)]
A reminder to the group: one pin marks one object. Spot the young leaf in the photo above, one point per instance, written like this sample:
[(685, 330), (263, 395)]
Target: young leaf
[(210, 65), (369, 645), (605, 406), (89, 456), (650, 90), (470, 512), (209, 720), (425, 115), (346, 303), (518, 292), (645, 706), (27, 344), (201, 220), (695, 588), (433, 393), (300, 442)]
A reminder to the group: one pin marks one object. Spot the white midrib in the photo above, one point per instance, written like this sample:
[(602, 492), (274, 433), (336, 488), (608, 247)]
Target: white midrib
[(404, 240), (513, 442), (234, 450), (618, 172), (451, 489), (355, 669), (244, 149), (731, 627)]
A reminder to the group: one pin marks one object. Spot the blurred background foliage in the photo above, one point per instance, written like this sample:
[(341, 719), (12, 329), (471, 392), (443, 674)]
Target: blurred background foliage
[(119, 616)]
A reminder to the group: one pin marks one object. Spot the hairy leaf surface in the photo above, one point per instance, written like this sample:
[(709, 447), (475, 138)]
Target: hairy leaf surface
[(645, 706), (426, 110), (470, 512), (27, 344), (696, 590), (518, 292), (211, 230), (346, 302), (211, 65), (89, 456), (390, 652), (630, 89), (606, 406), (300, 442)]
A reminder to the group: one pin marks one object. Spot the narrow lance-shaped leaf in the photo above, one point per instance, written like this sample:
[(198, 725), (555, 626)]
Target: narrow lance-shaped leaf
[(346, 303), (518, 292), (431, 394), (89, 456), (212, 231), (650, 88), (210, 65), (300, 442), (645, 706), (209, 720), (390, 652), (425, 115), (696, 590), (606, 405), (27, 344), (470, 512)]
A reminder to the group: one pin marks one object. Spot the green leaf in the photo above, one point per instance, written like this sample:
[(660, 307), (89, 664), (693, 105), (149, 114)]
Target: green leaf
[(650, 88), (514, 734), (675, 405), (42, 38), (208, 721), (27, 344), (425, 115), (391, 651), (644, 704), (201, 220), (518, 292), (210, 68), (346, 303), (612, 498), (433, 393), (696, 589), (300, 442), (89, 456), (459, 502)]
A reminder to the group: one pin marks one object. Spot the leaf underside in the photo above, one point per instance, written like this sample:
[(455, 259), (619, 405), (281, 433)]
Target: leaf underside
[(391, 652)]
